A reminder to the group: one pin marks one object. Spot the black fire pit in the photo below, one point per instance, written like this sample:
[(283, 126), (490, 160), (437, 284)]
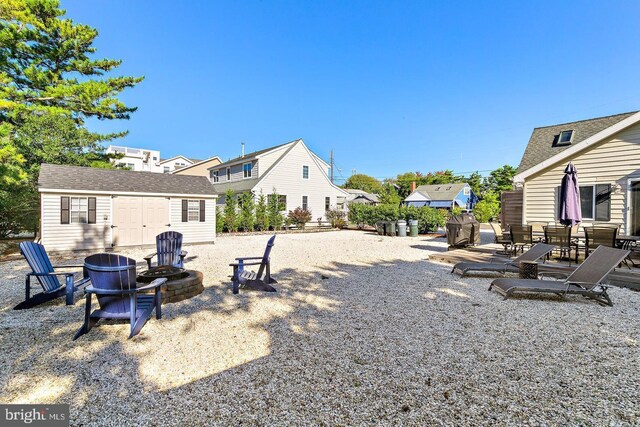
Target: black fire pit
[(166, 271), (181, 284)]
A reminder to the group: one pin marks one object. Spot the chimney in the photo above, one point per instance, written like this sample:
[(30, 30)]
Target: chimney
[(413, 186), (242, 145)]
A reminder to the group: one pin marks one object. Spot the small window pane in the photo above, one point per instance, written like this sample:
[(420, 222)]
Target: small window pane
[(565, 136), (193, 210), (586, 201), (305, 172), (327, 203), (246, 168), (304, 202)]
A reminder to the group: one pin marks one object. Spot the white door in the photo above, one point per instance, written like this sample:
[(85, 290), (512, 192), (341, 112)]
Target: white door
[(127, 221), (155, 218)]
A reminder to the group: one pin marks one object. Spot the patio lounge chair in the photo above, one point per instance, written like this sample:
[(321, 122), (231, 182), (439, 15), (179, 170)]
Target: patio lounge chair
[(509, 266), (585, 280), (168, 249), (113, 280), (251, 279), (41, 269)]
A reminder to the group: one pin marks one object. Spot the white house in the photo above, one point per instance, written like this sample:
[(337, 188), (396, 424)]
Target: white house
[(142, 159), (92, 208), (293, 171)]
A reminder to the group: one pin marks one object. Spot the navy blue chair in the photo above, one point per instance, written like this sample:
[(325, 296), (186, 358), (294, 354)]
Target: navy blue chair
[(113, 281), (168, 250), (42, 269), (251, 279)]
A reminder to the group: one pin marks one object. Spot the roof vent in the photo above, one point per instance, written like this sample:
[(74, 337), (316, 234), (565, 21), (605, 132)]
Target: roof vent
[(564, 138)]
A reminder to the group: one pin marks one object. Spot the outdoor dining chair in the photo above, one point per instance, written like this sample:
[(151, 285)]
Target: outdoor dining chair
[(560, 237), (599, 236), (499, 237), (521, 236)]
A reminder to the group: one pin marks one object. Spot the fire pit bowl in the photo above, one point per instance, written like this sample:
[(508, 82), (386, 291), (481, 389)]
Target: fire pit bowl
[(181, 284)]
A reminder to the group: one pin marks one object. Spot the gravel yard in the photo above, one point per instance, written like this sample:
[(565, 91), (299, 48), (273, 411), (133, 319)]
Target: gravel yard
[(363, 331)]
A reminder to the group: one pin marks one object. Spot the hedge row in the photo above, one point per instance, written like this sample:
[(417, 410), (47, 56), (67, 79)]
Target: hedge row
[(429, 219)]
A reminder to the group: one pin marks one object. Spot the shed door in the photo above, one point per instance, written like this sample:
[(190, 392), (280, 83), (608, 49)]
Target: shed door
[(138, 220), (127, 221), (155, 218)]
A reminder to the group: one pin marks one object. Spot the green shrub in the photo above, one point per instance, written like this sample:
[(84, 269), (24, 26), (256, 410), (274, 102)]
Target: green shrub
[(219, 220), (336, 217), (230, 211), (299, 217), (262, 220), (429, 219), (488, 208)]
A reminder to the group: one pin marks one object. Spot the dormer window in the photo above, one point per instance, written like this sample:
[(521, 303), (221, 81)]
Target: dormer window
[(228, 174), (246, 170), (565, 137), (215, 176)]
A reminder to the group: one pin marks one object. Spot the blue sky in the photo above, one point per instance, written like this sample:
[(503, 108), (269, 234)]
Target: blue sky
[(391, 86)]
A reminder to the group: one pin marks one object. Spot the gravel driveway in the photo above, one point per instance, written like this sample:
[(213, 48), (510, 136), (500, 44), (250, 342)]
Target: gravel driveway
[(363, 331)]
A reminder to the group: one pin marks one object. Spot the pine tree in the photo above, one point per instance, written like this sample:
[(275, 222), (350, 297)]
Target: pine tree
[(262, 219)]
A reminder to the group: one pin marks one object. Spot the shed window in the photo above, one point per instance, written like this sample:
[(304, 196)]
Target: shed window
[(246, 170), (79, 210), (565, 137), (305, 172), (194, 211)]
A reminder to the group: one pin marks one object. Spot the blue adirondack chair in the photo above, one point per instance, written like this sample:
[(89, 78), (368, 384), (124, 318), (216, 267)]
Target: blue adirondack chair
[(113, 281), (168, 249), (252, 279), (41, 269)]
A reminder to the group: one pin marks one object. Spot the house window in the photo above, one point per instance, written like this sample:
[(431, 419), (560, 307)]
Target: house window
[(155, 158), (215, 176), (193, 211), (305, 172), (327, 203), (467, 191), (305, 204), (340, 201), (78, 211), (246, 170), (166, 169), (565, 137), (282, 201), (228, 174), (595, 202)]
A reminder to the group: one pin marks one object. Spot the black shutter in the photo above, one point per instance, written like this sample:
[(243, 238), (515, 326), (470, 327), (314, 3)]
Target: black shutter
[(202, 210), (64, 210), (185, 210), (603, 202), (92, 210)]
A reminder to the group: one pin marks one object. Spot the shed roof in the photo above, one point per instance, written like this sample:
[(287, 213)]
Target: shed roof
[(543, 142), (77, 178)]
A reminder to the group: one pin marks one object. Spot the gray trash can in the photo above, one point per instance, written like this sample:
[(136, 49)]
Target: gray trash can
[(390, 228), (402, 228), (380, 227), (413, 227)]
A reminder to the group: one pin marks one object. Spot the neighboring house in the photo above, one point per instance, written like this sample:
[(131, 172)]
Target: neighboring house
[(359, 196), (606, 153), (443, 196), (200, 168), (298, 175), (92, 208), (137, 159), (141, 159), (175, 163)]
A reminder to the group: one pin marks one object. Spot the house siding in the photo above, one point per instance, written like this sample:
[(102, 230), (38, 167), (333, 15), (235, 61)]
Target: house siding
[(612, 161), (57, 236), (194, 232), (286, 179), (198, 170)]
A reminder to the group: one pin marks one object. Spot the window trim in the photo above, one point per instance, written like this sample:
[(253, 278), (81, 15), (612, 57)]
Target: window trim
[(71, 210), (244, 172), (190, 210), (215, 176), (305, 204), (307, 169), (327, 203), (563, 143), (593, 202)]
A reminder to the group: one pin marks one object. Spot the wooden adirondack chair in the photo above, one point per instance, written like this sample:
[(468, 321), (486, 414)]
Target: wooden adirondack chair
[(41, 268), (251, 279), (113, 280), (168, 249)]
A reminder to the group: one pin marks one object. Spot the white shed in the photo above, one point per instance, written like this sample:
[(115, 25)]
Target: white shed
[(91, 208)]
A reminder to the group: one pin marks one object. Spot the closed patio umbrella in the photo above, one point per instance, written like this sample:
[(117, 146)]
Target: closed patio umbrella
[(570, 213)]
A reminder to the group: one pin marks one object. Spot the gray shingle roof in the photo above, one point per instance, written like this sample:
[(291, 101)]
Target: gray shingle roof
[(253, 154), (237, 186), (62, 177), (542, 144), (444, 192)]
